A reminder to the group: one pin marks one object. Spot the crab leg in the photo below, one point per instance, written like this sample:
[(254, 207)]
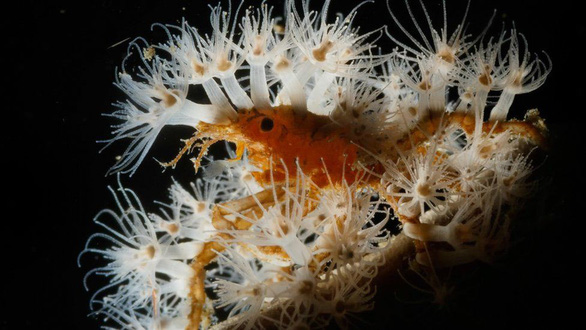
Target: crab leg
[(532, 128), (221, 220)]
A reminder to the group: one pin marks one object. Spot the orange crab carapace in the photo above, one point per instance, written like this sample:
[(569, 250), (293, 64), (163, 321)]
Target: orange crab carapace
[(284, 139)]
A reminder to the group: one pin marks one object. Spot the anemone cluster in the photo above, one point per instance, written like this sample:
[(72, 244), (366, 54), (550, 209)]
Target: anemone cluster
[(335, 142)]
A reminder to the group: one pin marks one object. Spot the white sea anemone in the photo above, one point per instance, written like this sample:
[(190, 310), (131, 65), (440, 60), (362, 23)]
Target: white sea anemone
[(330, 142), (145, 270)]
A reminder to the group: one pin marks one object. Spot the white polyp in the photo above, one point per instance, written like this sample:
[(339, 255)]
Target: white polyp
[(280, 289), (194, 234), (432, 216), (192, 113), (293, 89), (437, 97), (177, 323), (179, 287), (390, 87), (316, 96), (259, 90), (481, 97), (423, 102), (409, 209), (305, 71), (175, 269), (501, 109), (136, 152), (218, 99), (297, 251), (187, 250), (236, 93), (427, 232)]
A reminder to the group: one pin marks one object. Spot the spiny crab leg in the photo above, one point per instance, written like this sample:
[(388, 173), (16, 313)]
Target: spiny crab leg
[(204, 150), (186, 148), (225, 217), (532, 128), (189, 145)]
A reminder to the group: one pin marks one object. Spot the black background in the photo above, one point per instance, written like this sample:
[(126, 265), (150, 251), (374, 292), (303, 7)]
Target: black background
[(58, 68)]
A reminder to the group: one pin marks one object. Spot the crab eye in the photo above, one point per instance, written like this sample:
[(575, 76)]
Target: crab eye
[(266, 125)]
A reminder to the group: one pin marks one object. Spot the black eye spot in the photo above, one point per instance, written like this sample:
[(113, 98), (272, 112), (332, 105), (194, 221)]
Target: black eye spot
[(266, 124)]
